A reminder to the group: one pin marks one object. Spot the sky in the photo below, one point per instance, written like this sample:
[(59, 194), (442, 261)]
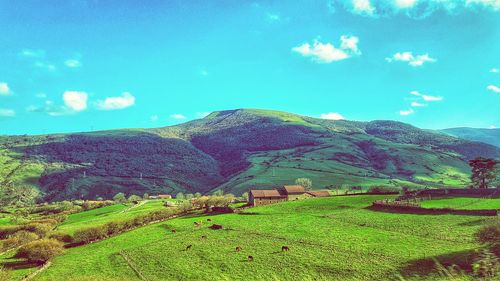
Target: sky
[(82, 65)]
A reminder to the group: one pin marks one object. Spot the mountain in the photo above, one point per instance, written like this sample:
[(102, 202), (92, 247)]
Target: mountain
[(236, 150), (490, 136)]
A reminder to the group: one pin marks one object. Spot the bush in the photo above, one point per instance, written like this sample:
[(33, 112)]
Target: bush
[(383, 189), (4, 274), (490, 235), (39, 229), (40, 251), (61, 236), (114, 227), (17, 239), (90, 234)]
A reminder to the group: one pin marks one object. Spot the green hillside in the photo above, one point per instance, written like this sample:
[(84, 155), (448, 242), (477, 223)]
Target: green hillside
[(237, 150), (336, 238), (491, 136)]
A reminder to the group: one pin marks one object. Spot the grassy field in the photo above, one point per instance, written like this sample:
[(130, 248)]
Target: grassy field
[(106, 214), (463, 203), (329, 238)]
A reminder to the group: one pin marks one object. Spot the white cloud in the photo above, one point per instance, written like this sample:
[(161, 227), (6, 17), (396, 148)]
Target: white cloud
[(426, 97), (406, 112), (412, 60), (177, 116), (363, 7), (75, 100), (494, 70), (493, 127), (273, 17), (45, 65), (72, 63), (154, 118), (41, 95), (493, 88), (417, 104), (405, 4), (204, 73), (4, 89), (327, 53), (202, 114), (332, 116), (7, 112), (120, 102)]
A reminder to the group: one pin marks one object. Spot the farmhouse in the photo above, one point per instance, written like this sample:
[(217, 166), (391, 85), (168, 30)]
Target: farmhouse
[(164, 196), (265, 197)]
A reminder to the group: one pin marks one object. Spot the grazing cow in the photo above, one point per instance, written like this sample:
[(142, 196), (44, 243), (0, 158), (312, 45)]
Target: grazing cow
[(204, 237), (189, 247), (197, 224), (250, 258), (285, 249), (209, 219), (174, 231), (238, 249)]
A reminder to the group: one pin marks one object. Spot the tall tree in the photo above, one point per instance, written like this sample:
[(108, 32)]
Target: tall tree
[(305, 182), (483, 171)]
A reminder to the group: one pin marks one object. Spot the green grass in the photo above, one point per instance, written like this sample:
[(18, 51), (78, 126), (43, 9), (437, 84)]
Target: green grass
[(463, 203), (334, 238), (100, 216)]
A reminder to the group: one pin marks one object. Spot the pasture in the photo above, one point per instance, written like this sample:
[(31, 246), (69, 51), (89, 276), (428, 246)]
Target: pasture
[(329, 238), (463, 203)]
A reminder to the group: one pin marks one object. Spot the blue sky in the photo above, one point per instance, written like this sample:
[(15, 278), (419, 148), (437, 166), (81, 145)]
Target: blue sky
[(79, 65)]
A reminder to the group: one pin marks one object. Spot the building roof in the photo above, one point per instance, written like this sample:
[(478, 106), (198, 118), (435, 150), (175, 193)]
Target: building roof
[(294, 189), (319, 193), (260, 193)]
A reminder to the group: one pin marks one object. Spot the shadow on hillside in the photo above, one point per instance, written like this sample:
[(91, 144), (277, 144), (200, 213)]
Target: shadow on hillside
[(427, 266), (17, 264)]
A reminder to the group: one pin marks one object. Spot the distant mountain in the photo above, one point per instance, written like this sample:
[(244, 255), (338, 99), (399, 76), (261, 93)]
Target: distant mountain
[(490, 136), (237, 150)]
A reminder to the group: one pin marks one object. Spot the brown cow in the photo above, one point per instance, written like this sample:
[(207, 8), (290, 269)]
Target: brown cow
[(250, 258), (204, 237), (189, 247), (285, 249), (209, 219), (174, 231), (238, 249)]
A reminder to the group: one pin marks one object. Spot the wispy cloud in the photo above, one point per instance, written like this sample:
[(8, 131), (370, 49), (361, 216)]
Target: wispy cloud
[(178, 116), (114, 103), (426, 97), (412, 60), (73, 63), (406, 112), (7, 112), (154, 118), (45, 65), (494, 70), (30, 53), (327, 52), (332, 116), (493, 88), (417, 104), (4, 89)]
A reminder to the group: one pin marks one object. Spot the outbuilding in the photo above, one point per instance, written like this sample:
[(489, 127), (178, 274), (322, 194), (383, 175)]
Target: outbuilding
[(265, 197)]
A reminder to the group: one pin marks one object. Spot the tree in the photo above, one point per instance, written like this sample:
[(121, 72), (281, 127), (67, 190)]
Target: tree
[(145, 196), (483, 172), (305, 182), (245, 196), (20, 196), (179, 196), (189, 196), (218, 192), (120, 198), (134, 199), (197, 195)]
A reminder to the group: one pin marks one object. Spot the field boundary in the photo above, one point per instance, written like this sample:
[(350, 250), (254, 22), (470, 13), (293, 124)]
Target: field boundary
[(38, 271), (132, 266), (376, 206)]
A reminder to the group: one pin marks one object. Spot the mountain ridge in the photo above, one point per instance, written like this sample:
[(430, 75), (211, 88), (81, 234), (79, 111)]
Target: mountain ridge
[(236, 150)]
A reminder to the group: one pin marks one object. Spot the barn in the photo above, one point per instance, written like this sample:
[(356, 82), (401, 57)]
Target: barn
[(319, 193), (293, 192), (265, 197)]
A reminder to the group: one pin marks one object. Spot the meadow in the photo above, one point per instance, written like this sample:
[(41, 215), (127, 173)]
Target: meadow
[(463, 203), (329, 238)]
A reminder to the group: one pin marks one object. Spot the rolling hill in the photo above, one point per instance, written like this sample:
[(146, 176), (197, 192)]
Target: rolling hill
[(236, 150), (490, 136)]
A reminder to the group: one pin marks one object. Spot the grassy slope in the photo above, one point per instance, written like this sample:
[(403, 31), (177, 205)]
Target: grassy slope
[(329, 238), (106, 214), (463, 203)]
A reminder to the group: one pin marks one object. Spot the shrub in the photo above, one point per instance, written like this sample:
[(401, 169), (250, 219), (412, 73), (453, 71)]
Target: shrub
[(114, 227), (39, 229), (382, 189), (4, 274), (17, 239), (6, 231), (490, 235), (90, 234), (40, 251), (61, 236)]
